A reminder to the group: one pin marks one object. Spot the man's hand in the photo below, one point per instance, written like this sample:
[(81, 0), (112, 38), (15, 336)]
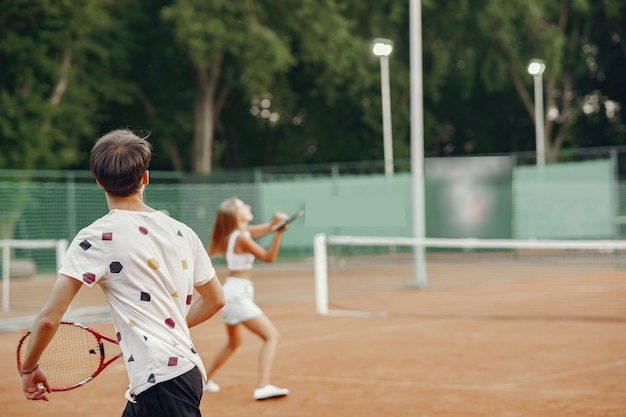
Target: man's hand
[(35, 385)]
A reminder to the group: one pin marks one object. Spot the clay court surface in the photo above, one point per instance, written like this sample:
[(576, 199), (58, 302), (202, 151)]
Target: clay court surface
[(426, 358)]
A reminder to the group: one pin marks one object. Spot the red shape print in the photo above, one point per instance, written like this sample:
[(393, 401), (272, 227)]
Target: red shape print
[(173, 361), (89, 277), (189, 299), (107, 236), (170, 323), (143, 230)]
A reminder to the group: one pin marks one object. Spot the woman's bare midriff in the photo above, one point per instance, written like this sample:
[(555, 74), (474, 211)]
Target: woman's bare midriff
[(240, 274)]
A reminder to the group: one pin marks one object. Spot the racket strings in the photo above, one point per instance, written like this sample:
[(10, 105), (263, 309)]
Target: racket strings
[(71, 358)]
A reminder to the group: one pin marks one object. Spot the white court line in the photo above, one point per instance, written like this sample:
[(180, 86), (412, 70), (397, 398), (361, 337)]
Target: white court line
[(82, 315), (414, 384), (539, 378), (340, 335), (520, 384), (295, 342), (102, 315), (462, 387), (357, 313)]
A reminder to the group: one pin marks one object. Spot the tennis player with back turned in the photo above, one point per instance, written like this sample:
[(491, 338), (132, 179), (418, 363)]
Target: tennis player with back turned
[(148, 266)]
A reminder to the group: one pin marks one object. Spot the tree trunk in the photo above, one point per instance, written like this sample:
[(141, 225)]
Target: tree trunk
[(232, 149), (203, 122), (61, 85), (207, 107)]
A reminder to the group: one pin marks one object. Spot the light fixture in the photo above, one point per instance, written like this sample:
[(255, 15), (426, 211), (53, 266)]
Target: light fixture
[(536, 67), (382, 47)]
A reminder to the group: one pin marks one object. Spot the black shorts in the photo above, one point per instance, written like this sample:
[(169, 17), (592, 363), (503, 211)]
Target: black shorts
[(178, 397)]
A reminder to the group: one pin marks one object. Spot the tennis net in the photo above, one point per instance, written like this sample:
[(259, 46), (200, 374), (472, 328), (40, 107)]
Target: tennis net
[(574, 280)]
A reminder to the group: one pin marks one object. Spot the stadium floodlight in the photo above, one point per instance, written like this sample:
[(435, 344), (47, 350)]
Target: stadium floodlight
[(382, 48), (536, 67)]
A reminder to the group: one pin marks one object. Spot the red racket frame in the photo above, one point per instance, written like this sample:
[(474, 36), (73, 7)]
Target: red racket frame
[(100, 338)]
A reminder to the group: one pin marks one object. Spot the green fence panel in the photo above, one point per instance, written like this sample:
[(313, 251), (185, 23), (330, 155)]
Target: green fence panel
[(572, 200)]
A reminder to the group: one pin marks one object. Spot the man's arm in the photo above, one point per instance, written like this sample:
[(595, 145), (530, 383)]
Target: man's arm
[(45, 326), (210, 301)]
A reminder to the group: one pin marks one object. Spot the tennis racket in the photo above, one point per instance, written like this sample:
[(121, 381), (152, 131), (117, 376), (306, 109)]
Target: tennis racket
[(291, 218), (74, 356)]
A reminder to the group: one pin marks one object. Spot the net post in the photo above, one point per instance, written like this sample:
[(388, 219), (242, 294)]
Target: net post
[(321, 274), (60, 249), (420, 280)]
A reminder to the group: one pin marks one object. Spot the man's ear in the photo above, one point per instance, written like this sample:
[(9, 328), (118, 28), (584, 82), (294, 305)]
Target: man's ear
[(145, 179), (99, 184)]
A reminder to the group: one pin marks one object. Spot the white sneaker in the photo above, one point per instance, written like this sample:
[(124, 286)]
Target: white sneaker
[(211, 386), (270, 391)]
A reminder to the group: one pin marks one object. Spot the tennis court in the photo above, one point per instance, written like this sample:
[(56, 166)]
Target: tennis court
[(408, 363)]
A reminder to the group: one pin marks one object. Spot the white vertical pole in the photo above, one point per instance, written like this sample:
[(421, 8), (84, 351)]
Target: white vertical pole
[(387, 131), (61, 249), (6, 259), (321, 274), (417, 141), (539, 121)]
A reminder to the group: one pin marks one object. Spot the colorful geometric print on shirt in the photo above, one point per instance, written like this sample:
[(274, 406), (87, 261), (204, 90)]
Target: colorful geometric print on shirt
[(147, 265)]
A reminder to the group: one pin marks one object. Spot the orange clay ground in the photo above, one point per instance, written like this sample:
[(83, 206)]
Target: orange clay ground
[(400, 365)]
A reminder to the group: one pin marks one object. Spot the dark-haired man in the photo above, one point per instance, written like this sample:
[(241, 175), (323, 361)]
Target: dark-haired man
[(148, 266)]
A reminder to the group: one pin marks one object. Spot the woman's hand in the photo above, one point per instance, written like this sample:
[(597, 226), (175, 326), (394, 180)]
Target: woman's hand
[(278, 218)]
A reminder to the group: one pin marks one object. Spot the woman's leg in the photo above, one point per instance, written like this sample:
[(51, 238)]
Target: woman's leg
[(233, 342), (264, 328)]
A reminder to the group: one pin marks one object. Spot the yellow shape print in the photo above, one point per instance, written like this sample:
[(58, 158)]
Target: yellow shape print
[(152, 263)]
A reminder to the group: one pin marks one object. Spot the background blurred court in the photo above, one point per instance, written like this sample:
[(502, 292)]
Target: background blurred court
[(432, 355)]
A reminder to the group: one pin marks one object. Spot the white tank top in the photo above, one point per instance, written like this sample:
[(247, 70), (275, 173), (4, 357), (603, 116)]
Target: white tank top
[(237, 261)]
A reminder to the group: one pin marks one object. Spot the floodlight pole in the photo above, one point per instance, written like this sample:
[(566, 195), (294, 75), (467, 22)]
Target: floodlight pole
[(536, 67), (382, 48), (387, 141)]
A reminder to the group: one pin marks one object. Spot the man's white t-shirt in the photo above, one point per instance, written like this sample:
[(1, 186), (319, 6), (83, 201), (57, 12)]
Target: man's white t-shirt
[(147, 265)]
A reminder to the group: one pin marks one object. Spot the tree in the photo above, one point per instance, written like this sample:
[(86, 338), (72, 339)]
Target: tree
[(213, 34), (496, 43), (233, 83), (59, 62)]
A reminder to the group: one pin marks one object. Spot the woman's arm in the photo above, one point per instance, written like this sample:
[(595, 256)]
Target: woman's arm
[(262, 229), (245, 243)]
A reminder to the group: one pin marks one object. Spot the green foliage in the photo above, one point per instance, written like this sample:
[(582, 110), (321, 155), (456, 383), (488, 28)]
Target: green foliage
[(135, 64), (59, 63)]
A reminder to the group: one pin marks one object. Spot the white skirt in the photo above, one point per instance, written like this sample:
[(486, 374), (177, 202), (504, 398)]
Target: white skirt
[(240, 306)]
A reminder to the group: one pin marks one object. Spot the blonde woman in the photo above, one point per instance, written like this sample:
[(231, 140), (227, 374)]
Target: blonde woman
[(233, 238)]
